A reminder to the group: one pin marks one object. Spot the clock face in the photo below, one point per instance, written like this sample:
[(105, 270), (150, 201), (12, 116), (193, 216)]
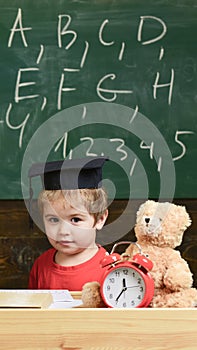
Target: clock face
[(123, 287)]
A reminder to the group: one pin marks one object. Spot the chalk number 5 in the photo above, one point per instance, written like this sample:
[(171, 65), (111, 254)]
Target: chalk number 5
[(181, 143)]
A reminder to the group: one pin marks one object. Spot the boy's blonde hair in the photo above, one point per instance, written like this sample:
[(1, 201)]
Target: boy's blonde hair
[(93, 200)]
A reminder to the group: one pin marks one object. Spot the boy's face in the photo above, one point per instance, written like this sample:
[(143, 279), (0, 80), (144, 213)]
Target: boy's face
[(70, 230)]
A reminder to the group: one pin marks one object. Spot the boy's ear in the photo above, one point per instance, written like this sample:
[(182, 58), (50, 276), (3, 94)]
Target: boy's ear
[(99, 224)]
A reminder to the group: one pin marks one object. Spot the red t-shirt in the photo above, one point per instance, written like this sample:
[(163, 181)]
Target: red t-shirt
[(46, 274)]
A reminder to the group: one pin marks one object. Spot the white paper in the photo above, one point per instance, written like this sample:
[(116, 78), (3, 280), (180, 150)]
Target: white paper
[(62, 299), (65, 304)]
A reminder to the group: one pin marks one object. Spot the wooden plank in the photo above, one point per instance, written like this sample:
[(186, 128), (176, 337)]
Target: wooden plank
[(99, 329)]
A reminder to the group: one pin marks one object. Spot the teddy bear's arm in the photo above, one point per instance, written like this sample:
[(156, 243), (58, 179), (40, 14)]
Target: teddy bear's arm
[(178, 275), (130, 250), (91, 296)]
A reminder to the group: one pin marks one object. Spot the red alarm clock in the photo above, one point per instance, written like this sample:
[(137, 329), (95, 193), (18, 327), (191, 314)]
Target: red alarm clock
[(127, 284)]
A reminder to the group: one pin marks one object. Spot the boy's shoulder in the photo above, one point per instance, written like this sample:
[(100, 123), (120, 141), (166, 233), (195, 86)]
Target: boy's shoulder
[(101, 252), (47, 255)]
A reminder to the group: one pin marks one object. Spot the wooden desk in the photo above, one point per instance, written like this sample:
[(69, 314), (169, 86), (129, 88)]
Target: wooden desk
[(99, 329)]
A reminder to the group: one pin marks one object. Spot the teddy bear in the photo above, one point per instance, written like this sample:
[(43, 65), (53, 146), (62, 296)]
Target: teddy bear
[(159, 230)]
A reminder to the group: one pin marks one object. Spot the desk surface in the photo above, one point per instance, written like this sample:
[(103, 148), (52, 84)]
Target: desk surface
[(99, 329)]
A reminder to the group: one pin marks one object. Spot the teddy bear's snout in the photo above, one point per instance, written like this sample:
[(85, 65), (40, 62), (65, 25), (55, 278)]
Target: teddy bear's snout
[(147, 220), (153, 225)]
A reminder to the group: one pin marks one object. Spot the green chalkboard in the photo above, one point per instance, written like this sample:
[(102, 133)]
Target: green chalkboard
[(131, 65)]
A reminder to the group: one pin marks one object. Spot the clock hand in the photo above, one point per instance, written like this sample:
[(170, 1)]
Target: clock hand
[(122, 291), (124, 284)]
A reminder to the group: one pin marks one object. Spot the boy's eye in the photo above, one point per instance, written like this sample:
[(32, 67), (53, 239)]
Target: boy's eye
[(75, 220), (53, 220)]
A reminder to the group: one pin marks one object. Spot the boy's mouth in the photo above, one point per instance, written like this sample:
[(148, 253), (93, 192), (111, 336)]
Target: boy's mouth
[(65, 242)]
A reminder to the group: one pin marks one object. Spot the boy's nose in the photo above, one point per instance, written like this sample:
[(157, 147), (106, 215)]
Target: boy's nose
[(65, 228)]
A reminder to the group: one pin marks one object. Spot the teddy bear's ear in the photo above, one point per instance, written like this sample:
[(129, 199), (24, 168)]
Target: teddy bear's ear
[(141, 208), (184, 218), (148, 204)]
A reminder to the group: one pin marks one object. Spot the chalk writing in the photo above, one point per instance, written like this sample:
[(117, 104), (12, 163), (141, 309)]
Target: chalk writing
[(91, 143), (104, 42), (159, 164), (161, 53), (64, 89), (84, 54), (150, 147), (134, 114), (158, 86), (40, 54), (71, 58), (19, 85), (178, 132), (133, 167), (84, 112), (66, 38), (21, 29), (143, 20), (44, 103), (122, 49), (120, 148), (100, 90), (63, 31), (105, 93), (20, 126), (63, 141)]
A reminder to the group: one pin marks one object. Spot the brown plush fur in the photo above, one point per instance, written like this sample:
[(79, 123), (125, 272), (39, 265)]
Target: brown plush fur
[(91, 295), (159, 229)]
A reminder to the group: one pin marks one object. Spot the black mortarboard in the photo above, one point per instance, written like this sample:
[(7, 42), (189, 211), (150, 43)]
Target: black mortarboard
[(70, 173)]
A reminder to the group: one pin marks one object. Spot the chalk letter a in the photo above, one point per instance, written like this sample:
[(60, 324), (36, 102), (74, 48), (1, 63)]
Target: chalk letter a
[(21, 29)]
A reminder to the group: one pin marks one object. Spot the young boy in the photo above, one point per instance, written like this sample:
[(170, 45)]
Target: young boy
[(73, 207)]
